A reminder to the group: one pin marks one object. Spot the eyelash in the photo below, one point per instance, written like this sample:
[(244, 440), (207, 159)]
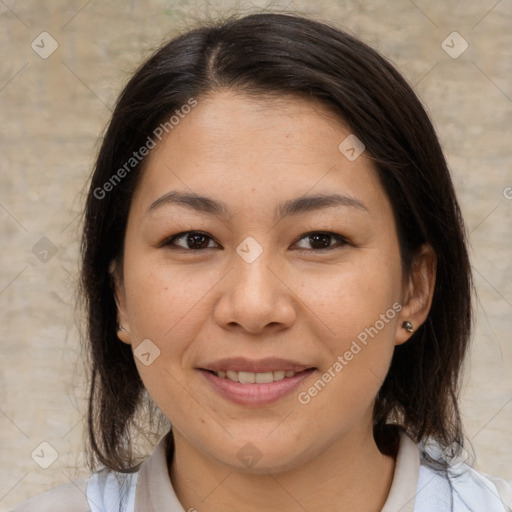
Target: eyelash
[(341, 241)]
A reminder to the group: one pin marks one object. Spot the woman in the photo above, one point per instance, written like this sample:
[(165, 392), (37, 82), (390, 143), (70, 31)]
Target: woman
[(274, 256)]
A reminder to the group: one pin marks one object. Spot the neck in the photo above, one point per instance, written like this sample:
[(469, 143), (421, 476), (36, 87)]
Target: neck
[(351, 474)]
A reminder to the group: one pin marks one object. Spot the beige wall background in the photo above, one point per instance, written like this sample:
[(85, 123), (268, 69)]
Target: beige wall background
[(53, 110)]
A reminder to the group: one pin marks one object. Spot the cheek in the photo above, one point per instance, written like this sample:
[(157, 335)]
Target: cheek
[(163, 307), (359, 304), (168, 307), (349, 297), (164, 302)]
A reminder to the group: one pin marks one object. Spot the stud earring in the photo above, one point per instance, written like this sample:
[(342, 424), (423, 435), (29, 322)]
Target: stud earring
[(408, 326), (121, 328)]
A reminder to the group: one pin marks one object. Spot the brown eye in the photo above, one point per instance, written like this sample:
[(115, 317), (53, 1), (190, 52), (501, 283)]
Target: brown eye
[(192, 240), (320, 240)]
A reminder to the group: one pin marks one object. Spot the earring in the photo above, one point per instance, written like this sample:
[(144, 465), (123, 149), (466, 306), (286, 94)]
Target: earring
[(408, 326), (121, 328)]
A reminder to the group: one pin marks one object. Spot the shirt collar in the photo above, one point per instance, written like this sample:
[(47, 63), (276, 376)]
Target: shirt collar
[(402, 495), (154, 491)]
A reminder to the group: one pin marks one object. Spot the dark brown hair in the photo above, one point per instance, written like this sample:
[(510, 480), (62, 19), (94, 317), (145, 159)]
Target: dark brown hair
[(263, 54)]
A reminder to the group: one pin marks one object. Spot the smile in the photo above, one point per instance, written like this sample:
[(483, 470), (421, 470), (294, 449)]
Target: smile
[(255, 388), (255, 378)]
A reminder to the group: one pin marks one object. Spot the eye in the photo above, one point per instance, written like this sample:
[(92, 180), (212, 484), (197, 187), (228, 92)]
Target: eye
[(192, 240), (321, 240)]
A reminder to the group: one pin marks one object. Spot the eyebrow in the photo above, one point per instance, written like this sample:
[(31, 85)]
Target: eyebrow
[(296, 206)]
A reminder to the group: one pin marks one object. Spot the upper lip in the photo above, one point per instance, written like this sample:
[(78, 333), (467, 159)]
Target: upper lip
[(241, 364)]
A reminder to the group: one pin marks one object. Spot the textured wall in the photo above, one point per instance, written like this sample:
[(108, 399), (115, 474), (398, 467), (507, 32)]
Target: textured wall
[(54, 109)]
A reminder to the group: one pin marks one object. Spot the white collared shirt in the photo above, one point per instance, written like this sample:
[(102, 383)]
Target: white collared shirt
[(417, 487)]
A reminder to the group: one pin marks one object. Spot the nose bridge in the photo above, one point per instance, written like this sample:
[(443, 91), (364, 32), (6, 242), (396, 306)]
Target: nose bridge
[(254, 296), (252, 277)]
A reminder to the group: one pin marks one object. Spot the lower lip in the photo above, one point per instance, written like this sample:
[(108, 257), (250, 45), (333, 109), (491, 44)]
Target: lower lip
[(256, 394)]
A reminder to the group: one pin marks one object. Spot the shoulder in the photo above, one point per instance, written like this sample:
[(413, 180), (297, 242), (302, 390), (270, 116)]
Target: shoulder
[(102, 491), (475, 490), (462, 487), (504, 489), (68, 497)]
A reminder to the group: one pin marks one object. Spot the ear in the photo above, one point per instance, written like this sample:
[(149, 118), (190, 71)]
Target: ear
[(418, 292), (120, 298)]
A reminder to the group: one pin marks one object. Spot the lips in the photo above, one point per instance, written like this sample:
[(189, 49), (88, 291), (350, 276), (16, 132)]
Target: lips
[(256, 394), (255, 382)]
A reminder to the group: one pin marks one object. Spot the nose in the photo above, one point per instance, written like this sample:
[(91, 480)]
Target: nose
[(256, 297)]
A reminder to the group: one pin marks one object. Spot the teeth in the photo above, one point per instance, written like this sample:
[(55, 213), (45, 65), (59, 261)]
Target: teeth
[(279, 375), (232, 375), (255, 378), (263, 378), (246, 377)]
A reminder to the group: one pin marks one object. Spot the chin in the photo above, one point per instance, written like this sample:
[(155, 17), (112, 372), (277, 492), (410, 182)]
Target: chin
[(260, 456)]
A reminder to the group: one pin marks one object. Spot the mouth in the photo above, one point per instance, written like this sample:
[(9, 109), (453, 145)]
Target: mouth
[(255, 383), (255, 377)]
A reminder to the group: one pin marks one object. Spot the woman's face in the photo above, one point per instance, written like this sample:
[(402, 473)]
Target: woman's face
[(266, 284)]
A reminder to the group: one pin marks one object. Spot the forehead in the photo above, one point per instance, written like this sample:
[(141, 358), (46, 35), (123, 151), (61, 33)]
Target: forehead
[(264, 148)]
